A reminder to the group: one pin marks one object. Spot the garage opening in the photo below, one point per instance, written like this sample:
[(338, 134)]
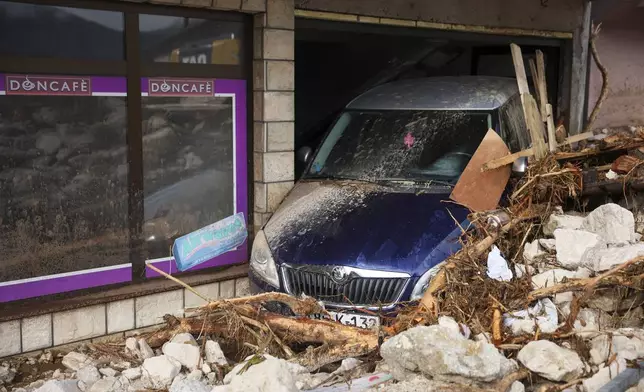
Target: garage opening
[(337, 61)]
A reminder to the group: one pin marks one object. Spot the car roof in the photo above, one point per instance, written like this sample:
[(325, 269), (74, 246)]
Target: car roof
[(439, 93)]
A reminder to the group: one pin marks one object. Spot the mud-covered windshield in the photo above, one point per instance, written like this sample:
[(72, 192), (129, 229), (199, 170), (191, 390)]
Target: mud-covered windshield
[(397, 145)]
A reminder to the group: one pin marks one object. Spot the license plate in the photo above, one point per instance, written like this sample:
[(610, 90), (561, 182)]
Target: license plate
[(353, 319)]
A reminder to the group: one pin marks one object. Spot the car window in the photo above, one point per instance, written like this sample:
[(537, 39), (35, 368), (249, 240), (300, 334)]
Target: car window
[(513, 128)]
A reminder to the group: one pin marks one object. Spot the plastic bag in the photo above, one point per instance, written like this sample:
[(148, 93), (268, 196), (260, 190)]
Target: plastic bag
[(497, 267)]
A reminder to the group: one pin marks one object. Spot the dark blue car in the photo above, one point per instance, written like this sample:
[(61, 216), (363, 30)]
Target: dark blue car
[(367, 225)]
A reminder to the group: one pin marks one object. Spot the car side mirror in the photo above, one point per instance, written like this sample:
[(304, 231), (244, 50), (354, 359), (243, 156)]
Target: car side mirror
[(519, 167), (304, 154)]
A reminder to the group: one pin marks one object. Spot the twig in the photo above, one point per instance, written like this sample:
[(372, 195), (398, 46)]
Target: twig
[(537, 176), (525, 238), (172, 278), (557, 388), (506, 382), (604, 72), (285, 348)]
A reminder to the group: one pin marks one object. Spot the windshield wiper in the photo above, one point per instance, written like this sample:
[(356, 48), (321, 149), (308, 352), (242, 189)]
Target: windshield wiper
[(427, 182)]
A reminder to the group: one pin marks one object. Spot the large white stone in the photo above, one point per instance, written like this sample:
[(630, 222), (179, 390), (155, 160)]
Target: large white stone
[(441, 351), (59, 386), (161, 370), (532, 252), (573, 244), (88, 375), (214, 353), (551, 361), (548, 244), (557, 275), (517, 386), (184, 338), (590, 321), (603, 259), (293, 368), (133, 373), (187, 354), (557, 221), (6, 375), (610, 300), (109, 384), (615, 224), (600, 349), (628, 343), (604, 375), (186, 385), (272, 374), (144, 349), (75, 361)]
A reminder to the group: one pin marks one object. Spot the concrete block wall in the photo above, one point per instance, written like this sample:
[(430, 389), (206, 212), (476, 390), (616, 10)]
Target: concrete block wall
[(110, 320), (274, 107)]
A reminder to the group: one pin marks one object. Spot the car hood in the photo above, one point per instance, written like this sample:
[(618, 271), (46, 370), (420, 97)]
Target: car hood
[(365, 226)]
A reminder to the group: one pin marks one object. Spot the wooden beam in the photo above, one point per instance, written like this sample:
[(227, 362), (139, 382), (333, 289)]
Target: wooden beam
[(535, 75), (519, 69), (579, 72), (550, 124), (542, 91)]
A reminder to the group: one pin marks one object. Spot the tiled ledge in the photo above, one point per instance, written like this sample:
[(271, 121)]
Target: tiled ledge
[(104, 320)]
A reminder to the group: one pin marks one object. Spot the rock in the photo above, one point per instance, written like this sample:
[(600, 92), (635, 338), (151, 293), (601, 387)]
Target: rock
[(272, 374), (187, 354), (36, 384), (532, 252), (184, 338), (205, 368), (448, 322), (599, 349), (557, 275), (57, 374), (573, 244), (109, 372), (628, 343), (144, 349), (517, 386), (190, 386), (59, 386), (548, 244), (161, 370), (599, 259), (634, 318), (49, 143), (310, 381), (557, 221), (6, 374), (615, 224), (195, 375), (440, 351), (214, 354), (604, 375), (88, 375), (212, 378), (132, 374), (520, 270), (132, 346), (611, 300), (120, 365), (109, 384), (591, 321), (294, 368), (350, 366), (75, 361), (46, 357), (551, 361)]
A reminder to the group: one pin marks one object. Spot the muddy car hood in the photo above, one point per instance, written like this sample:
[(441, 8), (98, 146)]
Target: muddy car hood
[(364, 226)]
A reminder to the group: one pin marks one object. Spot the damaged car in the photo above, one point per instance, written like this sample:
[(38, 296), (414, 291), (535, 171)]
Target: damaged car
[(367, 225)]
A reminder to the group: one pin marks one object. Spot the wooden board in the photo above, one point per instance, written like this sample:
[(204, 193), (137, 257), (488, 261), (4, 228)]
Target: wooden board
[(535, 125), (481, 191)]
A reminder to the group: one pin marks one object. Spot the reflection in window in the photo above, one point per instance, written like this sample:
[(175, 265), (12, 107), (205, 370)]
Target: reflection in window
[(189, 40), (63, 184), (187, 165), (52, 31)]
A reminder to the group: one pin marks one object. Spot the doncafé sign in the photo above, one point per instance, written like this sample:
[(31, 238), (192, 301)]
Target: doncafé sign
[(48, 85), (180, 87)]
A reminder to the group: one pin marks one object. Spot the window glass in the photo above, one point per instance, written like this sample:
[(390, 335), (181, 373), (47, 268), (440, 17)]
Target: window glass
[(187, 164), (52, 31), (513, 127), (63, 176), (190, 41)]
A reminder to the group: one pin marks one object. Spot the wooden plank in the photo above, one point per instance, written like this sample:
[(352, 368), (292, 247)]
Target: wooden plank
[(577, 138), (506, 160), (519, 69), (550, 124), (535, 125), (535, 76), (543, 86), (578, 83)]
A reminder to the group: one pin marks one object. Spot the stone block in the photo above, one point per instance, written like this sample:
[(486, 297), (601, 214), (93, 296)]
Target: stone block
[(259, 77), (280, 136), (166, 2), (259, 136), (280, 14), (258, 106), (79, 324), (242, 287), (275, 193), (279, 167), (258, 167), (227, 289), (258, 43), (279, 106), (120, 316), (210, 291), (227, 4), (260, 196), (36, 332), (253, 5), (150, 309), (259, 219), (280, 75), (278, 44), (197, 3), (9, 338)]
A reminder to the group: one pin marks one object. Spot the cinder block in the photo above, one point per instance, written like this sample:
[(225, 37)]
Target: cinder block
[(260, 196), (36, 332), (280, 14), (9, 338), (259, 75), (258, 167), (280, 136), (242, 287), (210, 291), (150, 309), (278, 44), (279, 106), (120, 316), (275, 193), (79, 324), (254, 5), (280, 75), (279, 166), (227, 289)]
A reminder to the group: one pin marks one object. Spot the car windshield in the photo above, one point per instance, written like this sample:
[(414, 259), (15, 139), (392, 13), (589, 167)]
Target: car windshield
[(431, 145)]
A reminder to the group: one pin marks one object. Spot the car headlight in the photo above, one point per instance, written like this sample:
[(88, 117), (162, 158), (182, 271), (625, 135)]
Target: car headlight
[(261, 260), (423, 282)]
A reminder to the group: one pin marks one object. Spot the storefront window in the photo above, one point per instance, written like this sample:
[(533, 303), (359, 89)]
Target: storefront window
[(190, 41), (63, 175), (52, 31)]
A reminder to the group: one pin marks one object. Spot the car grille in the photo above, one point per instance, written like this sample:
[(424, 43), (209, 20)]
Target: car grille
[(358, 291)]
